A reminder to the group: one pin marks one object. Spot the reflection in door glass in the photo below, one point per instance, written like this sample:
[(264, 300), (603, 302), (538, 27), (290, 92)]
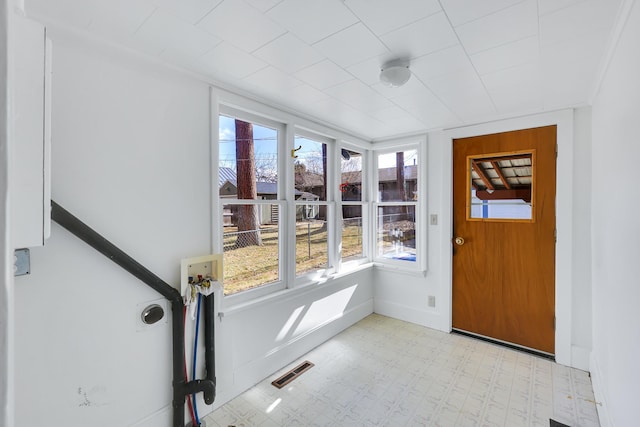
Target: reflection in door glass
[(501, 186)]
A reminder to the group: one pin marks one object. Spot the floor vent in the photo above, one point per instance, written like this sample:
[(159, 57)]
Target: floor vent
[(292, 374)]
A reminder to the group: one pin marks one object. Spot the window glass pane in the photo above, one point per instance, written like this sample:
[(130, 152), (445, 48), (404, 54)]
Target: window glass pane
[(352, 232), (310, 171), (311, 239), (501, 186), (396, 232), (350, 175), (250, 253), (248, 164), (398, 176), (248, 161)]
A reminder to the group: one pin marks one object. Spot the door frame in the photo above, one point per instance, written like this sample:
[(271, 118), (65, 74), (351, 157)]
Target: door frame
[(564, 213)]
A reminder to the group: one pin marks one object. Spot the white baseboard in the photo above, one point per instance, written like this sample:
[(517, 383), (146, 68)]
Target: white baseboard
[(598, 391), (430, 319), (246, 376)]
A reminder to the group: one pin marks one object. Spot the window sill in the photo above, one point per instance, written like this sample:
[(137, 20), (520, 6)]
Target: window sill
[(286, 294), (400, 269)]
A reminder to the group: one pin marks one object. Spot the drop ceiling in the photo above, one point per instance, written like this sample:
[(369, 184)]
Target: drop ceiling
[(471, 60)]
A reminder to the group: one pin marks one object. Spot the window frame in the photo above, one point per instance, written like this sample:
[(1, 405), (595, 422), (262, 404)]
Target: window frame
[(421, 229), (280, 284), (364, 203)]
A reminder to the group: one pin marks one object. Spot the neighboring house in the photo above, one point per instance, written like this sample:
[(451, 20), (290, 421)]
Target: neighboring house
[(228, 189)]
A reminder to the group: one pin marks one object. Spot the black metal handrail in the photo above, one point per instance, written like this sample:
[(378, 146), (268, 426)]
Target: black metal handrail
[(180, 387)]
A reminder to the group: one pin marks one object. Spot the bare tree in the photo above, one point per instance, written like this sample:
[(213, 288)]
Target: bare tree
[(248, 215), (400, 176)]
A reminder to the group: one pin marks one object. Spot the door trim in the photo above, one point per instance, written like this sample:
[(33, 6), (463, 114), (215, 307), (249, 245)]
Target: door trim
[(564, 214)]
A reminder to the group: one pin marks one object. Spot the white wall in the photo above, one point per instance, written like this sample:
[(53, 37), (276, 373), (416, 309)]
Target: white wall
[(616, 230), (131, 158), (6, 253), (405, 297)]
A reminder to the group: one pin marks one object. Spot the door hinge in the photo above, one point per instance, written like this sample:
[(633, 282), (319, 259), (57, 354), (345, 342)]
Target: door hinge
[(555, 235), (554, 323), (556, 150)]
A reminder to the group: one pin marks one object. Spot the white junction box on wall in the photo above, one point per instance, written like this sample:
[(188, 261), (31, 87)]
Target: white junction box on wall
[(204, 266)]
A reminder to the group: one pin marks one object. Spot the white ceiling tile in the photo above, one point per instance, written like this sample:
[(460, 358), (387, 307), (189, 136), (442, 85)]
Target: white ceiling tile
[(509, 25), (158, 32), (516, 89), (368, 71), (186, 48), (323, 75), (463, 11), (358, 95), (312, 20), (507, 55), (263, 5), (421, 37), (74, 13), (440, 63), (303, 94), (271, 79), (190, 11), (549, 6), (241, 24), (289, 53), (427, 108), (352, 45), (226, 59), (464, 93), (389, 113), (577, 20), (117, 20), (413, 86), (384, 16)]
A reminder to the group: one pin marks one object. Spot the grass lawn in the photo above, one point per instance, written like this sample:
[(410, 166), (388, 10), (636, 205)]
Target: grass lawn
[(252, 266)]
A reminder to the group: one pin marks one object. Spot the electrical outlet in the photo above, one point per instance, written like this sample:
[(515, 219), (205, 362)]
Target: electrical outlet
[(431, 302)]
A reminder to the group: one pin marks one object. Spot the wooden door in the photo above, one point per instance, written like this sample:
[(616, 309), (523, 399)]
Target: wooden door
[(504, 219)]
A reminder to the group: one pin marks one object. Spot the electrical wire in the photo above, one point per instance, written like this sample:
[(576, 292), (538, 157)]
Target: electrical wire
[(195, 358), (186, 376)]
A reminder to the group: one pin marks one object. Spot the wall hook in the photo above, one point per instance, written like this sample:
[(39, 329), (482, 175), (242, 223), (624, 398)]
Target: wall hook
[(293, 152)]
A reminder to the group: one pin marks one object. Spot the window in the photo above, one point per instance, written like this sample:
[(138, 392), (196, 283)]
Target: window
[(311, 208), (251, 207), (396, 207), (352, 206), (287, 220)]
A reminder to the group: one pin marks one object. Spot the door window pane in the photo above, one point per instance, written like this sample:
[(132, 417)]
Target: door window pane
[(500, 186)]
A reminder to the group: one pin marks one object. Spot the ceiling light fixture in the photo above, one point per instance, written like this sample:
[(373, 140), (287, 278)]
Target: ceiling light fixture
[(395, 73)]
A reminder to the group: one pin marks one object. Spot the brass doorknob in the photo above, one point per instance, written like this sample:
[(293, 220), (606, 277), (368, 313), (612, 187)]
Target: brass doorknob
[(459, 241)]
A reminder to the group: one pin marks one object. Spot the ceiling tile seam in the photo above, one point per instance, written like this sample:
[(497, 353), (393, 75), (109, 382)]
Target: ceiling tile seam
[(303, 42), (464, 49), (394, 29), (488, 14), (445, 104), (333, 85), (622, 17), (537, 36), (195, 24), (560, 9), (145, 20), (336, 32)]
